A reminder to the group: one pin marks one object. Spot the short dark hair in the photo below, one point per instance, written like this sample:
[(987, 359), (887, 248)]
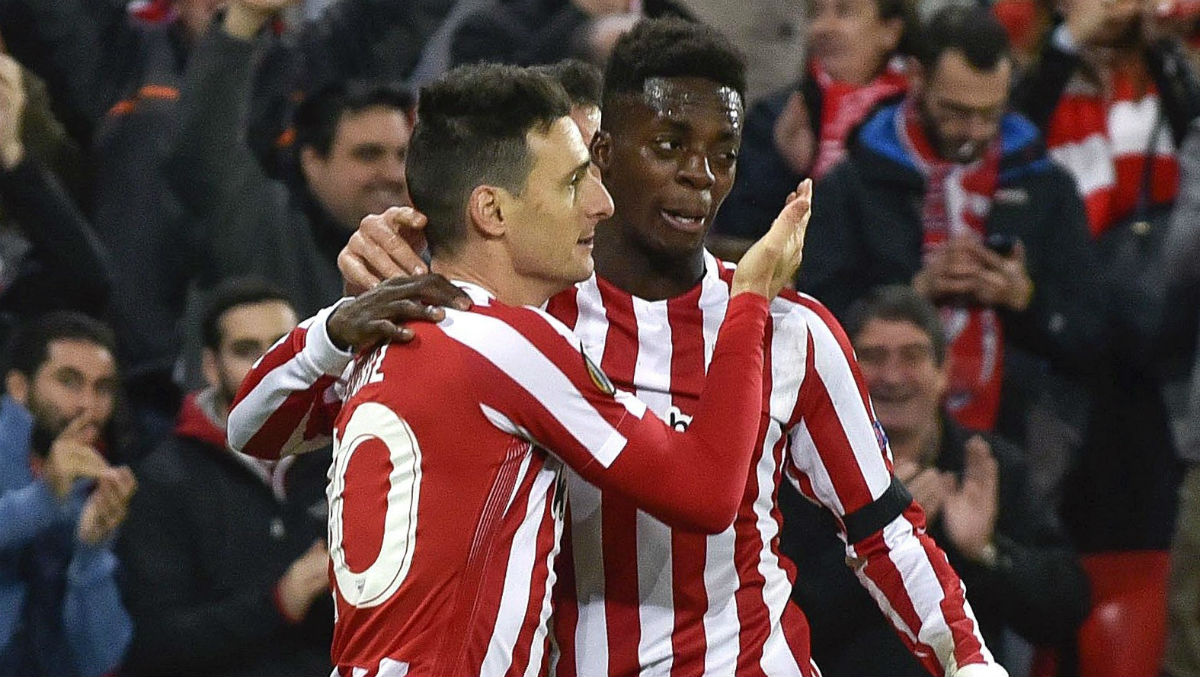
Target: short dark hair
[(30, 343), (316, 118), (898, 303), (471, 127), (672, 47), (231, 293), (583, 82), (972, 31)]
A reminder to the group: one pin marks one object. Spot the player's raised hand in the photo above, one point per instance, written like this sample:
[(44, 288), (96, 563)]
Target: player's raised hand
[(380, 313), (772, 262), (384, 246)]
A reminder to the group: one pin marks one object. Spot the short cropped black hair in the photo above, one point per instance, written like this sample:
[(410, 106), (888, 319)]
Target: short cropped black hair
[(30, 343), (672, 47), (898, 303), (972, 31), (229, 294), (471, 127), (583, 82), (316, 118)]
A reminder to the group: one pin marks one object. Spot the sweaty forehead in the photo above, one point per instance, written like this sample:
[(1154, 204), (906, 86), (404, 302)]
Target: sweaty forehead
[(675, 97)]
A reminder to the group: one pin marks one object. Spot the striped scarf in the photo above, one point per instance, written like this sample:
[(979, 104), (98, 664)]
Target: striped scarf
[(957, 201), (1102, 137)]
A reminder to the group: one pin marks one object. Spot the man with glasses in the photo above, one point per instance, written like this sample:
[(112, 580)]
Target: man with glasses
[(949, 192)]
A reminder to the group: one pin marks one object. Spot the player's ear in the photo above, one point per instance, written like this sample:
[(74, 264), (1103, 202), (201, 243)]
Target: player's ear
[(486, 210), (602, 150)]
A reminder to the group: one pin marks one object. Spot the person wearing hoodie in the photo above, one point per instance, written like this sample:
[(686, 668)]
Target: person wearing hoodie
[(225, 554)]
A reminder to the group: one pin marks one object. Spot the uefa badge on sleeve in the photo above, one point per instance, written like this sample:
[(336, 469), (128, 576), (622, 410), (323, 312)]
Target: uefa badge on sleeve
[(599, 378)]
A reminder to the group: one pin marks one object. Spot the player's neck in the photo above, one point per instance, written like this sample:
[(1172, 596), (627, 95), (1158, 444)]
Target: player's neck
[(642, 272), (498, 280)]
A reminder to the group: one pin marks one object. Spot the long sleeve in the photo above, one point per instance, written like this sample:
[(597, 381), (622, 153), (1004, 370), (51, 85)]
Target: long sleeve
[(290, 398), (70, 267), (681, 478), (25, 512), (1037, 93), (96, 625), (839, 461), (211, 167)]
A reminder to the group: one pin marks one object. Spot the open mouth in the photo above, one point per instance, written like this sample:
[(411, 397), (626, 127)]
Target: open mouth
[(687, 222), (586, 241)]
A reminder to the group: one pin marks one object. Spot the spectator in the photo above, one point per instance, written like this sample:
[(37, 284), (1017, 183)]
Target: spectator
[(854, 65), (1017, 565), (1114, 95), (117, 80), (225, 553), (527, 32), (51, 259), (924, 184), (350, 146), (61, 502)]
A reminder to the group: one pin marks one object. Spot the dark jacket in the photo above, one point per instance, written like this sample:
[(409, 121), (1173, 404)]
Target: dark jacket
[(866, 231), (1037, 587), (250, 223), (205, 543), (528, 32)]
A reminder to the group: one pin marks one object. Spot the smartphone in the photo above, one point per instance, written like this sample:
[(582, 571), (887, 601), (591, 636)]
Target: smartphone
[(1001, 243)]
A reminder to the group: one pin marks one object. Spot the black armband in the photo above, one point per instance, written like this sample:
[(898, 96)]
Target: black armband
[(878, 513)]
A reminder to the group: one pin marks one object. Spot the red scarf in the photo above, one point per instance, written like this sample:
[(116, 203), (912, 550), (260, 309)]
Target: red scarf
[(1101, 138), (957, 201), (844, 105)]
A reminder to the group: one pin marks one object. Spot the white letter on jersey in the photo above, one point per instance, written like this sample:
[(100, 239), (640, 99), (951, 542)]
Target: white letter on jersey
[(375, 584)]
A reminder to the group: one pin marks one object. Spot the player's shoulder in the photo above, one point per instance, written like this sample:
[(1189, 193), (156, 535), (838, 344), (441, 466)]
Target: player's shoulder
[(498, 323), (790, 305)]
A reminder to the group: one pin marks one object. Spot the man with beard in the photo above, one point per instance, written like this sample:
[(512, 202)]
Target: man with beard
[(635, 596), (951, 193), (224, 552), (60, 502)]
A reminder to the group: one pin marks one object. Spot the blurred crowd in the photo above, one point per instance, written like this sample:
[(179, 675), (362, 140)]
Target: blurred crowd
[(1006, 221)]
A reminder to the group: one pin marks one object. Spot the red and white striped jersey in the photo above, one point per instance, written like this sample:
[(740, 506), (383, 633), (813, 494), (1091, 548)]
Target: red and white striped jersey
[(639, 598), (634, 595), (446, 508)]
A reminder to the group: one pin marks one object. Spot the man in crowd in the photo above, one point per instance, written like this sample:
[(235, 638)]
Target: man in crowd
[(688, 602), (61, 502), (950, 193), (1015, 561), (351, 140), (225, 553)]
